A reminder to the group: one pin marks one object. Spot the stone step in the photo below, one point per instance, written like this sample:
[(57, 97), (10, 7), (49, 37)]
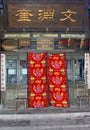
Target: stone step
[(50, 120), (44, 116), (60, 127)]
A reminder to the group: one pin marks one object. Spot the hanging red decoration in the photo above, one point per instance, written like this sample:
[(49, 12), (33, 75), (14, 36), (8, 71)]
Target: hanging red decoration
[(44, 73), (37, 90), (57, 80)]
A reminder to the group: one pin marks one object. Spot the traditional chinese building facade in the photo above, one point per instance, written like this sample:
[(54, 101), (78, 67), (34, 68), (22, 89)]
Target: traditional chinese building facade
[(43, 44)]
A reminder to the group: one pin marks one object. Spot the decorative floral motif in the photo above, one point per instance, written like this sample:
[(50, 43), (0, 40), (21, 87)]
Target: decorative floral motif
[(37, 57), (37, 80), (38, 72), (56, 64), (58, 96), (38, 88), (57, 80)]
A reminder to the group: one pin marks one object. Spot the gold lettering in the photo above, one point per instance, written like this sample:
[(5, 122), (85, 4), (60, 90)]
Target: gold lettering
[(24, 15), (46, 15), (68, 15)]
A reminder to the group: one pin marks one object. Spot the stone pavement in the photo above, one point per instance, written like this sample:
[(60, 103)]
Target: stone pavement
[(45, 119), (56, 121), (46, 128)]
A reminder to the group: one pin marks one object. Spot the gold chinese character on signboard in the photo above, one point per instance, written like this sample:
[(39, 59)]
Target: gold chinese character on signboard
[(46, 15), (68, 15), (24, 15)]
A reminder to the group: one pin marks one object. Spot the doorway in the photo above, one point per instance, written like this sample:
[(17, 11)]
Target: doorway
[(75, 73)]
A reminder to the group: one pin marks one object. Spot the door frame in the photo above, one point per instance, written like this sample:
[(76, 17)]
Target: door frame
[(72, 83)]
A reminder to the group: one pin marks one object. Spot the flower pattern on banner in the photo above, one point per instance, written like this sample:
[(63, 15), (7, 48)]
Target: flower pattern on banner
[(37, 90), (44, 75), (57, 80)]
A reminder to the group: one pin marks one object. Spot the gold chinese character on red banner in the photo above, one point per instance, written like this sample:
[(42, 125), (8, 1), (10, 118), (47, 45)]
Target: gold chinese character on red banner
[(24, 15), (46, 15), (68, 16)]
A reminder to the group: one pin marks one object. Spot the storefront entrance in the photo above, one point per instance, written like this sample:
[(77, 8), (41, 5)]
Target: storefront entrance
[(16, 75)]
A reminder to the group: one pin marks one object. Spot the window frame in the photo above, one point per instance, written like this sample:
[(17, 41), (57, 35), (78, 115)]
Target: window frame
[(16, 57)]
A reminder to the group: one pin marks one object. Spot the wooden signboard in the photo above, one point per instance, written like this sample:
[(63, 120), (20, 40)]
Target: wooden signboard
[(45, 15), (24, 42), (45, 44)]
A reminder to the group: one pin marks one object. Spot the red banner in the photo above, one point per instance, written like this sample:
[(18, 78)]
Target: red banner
[(37, 90), (44, 76), (57, 80)]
